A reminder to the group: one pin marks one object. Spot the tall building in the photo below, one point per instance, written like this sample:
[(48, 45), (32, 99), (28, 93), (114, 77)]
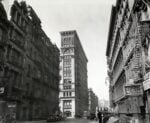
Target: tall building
[(14, 64), (4, 27), (128, 57), (73, 85), (30, 74), (41, 71), (144, 29), (93, 101)]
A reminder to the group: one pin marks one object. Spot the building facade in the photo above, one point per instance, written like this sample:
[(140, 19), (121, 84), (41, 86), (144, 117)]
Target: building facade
[(31, 68), (73, 70), (4, 27), (126, 57), (144, 28), (41, 70), (93, 101)]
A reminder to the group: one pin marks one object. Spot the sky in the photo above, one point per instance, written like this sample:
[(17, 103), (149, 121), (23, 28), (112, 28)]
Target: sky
[(90, 18)]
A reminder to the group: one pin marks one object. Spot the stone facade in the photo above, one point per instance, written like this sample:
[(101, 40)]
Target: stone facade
[(31, 69), (126, 51), (4, 26), (73, 85)]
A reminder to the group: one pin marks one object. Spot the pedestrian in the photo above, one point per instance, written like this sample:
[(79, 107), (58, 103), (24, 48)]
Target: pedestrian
[(99, 115)]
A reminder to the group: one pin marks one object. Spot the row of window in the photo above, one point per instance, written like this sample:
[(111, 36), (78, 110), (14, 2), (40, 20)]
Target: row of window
[(67, 63), (67, 42), (67, 94), (17, 38), (67, 81), (123, 22), (18, 19), (66, 87), (67, 60), (68, 51), (67, 102), (67, 71), (37, 73), (15, 57)]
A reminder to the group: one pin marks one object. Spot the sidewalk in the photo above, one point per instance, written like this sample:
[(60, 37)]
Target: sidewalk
[(41, 121)]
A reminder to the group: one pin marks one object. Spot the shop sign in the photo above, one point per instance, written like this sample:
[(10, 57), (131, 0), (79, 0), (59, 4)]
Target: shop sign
[(146, 85)]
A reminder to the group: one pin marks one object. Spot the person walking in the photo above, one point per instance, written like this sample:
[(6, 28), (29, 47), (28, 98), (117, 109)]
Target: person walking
[(99, 115)]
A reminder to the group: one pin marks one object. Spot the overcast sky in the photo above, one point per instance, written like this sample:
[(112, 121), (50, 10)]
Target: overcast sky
[(90, 18)]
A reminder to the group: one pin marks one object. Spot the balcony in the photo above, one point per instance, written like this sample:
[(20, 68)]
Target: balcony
[(130, 91)]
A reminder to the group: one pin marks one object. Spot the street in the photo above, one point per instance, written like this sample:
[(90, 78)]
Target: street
[(68, 60), (77, 121)]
